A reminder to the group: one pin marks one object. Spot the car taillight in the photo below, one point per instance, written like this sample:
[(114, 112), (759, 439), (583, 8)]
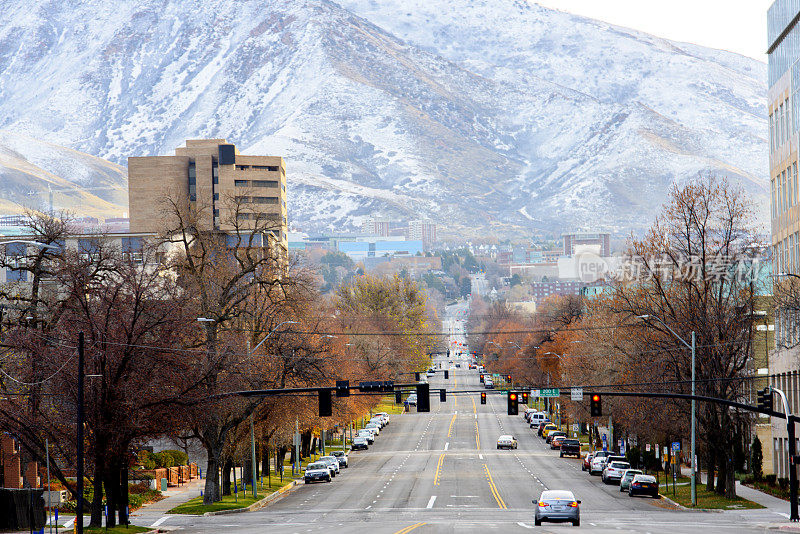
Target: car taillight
[(574, 504), (542, 504), (636, 484)]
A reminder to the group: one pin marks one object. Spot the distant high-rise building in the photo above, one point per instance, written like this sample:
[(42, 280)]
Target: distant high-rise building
[(587, 238), (379, 226), (783, 73), (422, 230), (228, 189)]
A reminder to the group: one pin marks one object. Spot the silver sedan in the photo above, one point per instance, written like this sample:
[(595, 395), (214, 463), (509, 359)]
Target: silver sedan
[(557, 506)]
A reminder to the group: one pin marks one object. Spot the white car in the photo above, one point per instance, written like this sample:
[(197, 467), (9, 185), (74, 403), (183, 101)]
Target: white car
[(366, 434), (374, 426), (412, 399), (385, 416), (378, 421), (614, 470), (506, 442), (598, 463)]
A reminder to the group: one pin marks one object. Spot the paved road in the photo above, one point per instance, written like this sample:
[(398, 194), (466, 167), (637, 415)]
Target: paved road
[(441, 472)]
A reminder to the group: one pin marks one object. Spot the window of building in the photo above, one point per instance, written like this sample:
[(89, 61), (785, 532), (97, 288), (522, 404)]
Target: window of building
[(771, 133), (780, 124), (241, 183), (216, 213), (16, 275), (242, 167), (774, 206), (272, 168), (265, 200), (243, 216), (216, 196), (794, 182), (265, 183), (786, 118), (192, 181)]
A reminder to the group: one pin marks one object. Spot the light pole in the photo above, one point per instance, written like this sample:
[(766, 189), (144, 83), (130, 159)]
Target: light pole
[(691, 346)]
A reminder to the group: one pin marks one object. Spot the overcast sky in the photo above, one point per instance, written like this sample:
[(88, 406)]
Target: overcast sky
[(736, 25)]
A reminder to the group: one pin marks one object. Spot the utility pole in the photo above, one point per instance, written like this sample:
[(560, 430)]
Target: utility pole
[(252, 443), (79, 437), (693, 461)]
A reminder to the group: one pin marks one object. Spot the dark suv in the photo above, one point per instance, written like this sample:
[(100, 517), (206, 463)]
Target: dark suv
[(570, 447)]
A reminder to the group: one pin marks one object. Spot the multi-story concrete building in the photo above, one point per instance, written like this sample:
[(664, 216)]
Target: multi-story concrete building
[(783, 49), (379, 226), (422, 230), (603, 240), (226, 189)]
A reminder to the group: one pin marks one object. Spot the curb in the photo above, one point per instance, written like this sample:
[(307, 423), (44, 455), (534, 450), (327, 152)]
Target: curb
[(258, 504), (687, 509)]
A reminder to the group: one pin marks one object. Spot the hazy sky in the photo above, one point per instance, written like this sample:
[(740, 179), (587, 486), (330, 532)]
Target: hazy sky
[(736, 25)]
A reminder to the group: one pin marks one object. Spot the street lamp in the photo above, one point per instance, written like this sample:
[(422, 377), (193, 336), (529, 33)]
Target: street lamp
[(647, 317)]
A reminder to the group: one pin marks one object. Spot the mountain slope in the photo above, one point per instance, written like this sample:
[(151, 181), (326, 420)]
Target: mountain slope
[(493, 116)]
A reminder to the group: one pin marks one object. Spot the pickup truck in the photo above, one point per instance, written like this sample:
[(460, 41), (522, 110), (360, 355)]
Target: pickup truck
[(570, 447)]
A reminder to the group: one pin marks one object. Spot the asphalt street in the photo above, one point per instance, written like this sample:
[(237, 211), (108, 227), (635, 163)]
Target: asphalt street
[(441, 472)]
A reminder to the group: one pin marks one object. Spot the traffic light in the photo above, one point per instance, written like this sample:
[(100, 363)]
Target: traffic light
[(342, 388), (508, 378), (442, 395), (481, 379), (416, 377), (765, 399), (398, 397), (325, 403), (423, 398), (596, 406), (524, 398), (513, 408), (483, 398), (446, 374)]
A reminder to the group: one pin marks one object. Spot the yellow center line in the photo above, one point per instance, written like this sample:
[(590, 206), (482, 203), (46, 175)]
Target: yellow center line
[(409, 528), (438, 470), (474, 408), (453, 420), (477, 437), (493, 488)]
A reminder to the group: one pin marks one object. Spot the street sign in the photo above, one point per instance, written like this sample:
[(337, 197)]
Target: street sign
[(535, 393), (605, 443), (622, 446), (550, 392), (576, 427), (576, 394), (647, 448), (657, 451), (676, 446)]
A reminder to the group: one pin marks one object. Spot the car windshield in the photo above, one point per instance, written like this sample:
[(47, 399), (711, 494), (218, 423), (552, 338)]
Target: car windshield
[(337, 453), (571, 442), (318, 465), (620, 465)]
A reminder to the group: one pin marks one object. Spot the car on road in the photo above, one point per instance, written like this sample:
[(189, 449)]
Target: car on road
[(557, 440), (488, 383), (587, 461), (527, 413), (317, 472), (342, 457), (331, 461), (613, 471), (542, 425), (378, 421), (374, 426), (359, 443), (557, 506), (554, 433), (412, 399), (537, 418), (598, 463), (627, 477), (506, 442), (366, 434), (570, 447), (644, 485), (549, 427), (384, 415)]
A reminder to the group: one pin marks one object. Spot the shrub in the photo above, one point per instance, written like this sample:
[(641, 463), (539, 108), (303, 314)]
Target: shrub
[(146, 460), (178, 457), (770, 479), (783, 483), (748, 479), (164, 459)]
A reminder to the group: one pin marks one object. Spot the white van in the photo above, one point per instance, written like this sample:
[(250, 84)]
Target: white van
[(537, 418)]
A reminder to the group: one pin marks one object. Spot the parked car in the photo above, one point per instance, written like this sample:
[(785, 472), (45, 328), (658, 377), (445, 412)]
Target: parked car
[(412, 399), (342, 457), (488, 383), (359, 443), (557, 506), (506, 442), (587, 461), (644, 485), (537, 418), (549, 427), (542, 426), (598, 463), (317, 472), (366, 434), (384, 415), (627, 477), (331, 461), (374, 426), (556, 440), (528, 412), (570, 447), (613, 471), (553, 433)]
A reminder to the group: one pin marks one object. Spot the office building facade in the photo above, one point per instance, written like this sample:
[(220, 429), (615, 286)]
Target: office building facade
[(227, 190), (783, 50)]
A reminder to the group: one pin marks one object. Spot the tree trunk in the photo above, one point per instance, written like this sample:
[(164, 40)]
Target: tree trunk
[(710, 467), (111, 485), (211, 492), (226, 477), (124, 499), (96, 517)]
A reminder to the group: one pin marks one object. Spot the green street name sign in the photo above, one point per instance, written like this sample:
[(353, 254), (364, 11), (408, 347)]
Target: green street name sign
[(549, 392)]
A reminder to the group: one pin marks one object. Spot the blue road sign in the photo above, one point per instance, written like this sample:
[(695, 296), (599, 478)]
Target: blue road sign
[(605, 443), (676, 446)]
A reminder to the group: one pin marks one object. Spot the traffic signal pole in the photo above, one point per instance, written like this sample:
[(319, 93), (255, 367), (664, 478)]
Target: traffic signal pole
[(790, 420)]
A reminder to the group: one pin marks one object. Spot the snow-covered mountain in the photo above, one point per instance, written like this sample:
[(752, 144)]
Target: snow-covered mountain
[(486, 115)]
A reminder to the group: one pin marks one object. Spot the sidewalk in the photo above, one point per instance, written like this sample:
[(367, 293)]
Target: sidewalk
[(150, 513)]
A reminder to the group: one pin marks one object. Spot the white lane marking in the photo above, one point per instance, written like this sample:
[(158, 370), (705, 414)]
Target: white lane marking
[(368, 507), (69, 523), (431, 501), (520, 523), (446, 445), (160, 521), (480, 457)]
